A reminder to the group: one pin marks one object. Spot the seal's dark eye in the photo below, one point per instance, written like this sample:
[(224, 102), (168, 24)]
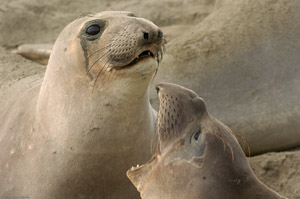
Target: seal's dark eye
[(93, 29), (196, 136)]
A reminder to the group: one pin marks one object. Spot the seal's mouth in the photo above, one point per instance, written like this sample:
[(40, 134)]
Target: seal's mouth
[(137, 167), (144, 55)]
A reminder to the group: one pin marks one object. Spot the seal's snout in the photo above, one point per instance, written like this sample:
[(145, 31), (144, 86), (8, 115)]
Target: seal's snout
[(176, 90), (178, 105), (152, 36), (136, 39), (160, 34), (189, 99)]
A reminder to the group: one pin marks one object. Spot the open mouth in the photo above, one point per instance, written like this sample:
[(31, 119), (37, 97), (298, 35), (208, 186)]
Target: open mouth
[(133, 168), (143, 55)]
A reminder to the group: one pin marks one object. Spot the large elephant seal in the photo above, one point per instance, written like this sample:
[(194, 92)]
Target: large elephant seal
[(76, 134), (197, 156)]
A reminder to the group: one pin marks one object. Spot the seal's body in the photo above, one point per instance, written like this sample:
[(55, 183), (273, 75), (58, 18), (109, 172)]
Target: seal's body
[(76, 134), (197, 156)]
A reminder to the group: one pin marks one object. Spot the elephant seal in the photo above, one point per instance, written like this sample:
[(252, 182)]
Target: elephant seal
[(75, 135), (197, 156)]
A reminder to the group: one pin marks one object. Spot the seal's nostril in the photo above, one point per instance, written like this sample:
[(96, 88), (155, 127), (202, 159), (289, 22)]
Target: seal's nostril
[(157, 89), (146, 35), (160, 34)]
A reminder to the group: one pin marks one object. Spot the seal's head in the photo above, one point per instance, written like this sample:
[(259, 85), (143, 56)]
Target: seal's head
[(105, 45), (197, 156), (104, 58)]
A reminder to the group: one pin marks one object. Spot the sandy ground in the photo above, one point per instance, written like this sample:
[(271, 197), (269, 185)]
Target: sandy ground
[(37, 21)]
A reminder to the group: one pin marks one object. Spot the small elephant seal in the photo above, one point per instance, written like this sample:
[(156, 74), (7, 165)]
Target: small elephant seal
[(197, 156), (76, 134)]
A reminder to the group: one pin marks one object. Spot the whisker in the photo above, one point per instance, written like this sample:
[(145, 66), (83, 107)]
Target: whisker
[(154, 143), (232, 153), (164, 41), (100, 73), (93, 53), (245, 144), (155, 73), (214, 135), (97, 61), (223, 139), (163, 48), (223, 143), (108, 77), (230, 147)]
